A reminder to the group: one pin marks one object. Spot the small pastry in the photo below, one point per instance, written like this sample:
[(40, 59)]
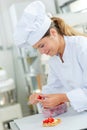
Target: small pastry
[(51, 122)]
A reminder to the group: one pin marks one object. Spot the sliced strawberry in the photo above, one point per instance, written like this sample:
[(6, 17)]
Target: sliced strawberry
[(39, 97), (51, 119), (44, 122), (48, 120)]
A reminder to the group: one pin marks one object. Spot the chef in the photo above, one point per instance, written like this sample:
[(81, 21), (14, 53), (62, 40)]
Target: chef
[(67, 76)]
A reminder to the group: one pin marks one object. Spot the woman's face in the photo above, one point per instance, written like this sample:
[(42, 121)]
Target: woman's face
[(49, 45)]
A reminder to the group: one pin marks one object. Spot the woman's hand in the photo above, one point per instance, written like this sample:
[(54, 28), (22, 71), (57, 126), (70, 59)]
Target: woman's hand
[(34, 98), (51, 100)]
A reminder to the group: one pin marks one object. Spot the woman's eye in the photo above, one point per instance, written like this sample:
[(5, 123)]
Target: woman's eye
[(42, 46)]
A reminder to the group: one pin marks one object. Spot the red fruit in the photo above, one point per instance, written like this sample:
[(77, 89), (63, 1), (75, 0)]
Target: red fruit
[(44, 121), (51, 119), (47, 121), (39, 97)]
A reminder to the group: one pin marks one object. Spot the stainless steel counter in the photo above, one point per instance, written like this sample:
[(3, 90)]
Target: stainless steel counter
[(71, 120)]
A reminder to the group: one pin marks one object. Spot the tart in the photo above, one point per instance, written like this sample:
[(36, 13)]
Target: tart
[(51, 122)]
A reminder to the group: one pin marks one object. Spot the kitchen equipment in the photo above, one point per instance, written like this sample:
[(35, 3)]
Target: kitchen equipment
[(7, 89), (8, 114), (9, 108)]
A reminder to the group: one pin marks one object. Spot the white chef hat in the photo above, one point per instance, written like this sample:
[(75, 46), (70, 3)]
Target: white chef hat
[(32, 26)]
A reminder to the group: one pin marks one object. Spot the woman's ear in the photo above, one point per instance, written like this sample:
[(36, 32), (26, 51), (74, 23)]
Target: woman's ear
[(53, 32)]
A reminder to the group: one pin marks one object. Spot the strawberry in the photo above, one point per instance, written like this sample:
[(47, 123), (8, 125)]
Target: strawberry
[(44, 121), (51, 119), (48, 120), (39, 97)]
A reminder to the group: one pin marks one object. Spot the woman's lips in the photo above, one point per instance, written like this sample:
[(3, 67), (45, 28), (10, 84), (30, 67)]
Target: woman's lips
[(48, 53)]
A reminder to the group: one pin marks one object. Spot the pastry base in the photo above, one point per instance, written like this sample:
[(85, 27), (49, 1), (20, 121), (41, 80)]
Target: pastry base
[(56, 122)]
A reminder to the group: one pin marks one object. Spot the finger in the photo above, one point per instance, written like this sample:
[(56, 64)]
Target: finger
[(48, 95), (40, 100)]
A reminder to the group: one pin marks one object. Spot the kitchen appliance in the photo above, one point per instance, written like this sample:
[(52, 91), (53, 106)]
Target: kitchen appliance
[(7, 89), (8, 114), (9, 108)]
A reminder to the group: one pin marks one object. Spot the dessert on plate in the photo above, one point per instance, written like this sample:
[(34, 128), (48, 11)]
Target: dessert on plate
[(51, 122)]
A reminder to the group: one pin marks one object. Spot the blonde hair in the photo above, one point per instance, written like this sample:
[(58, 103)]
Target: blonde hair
[(65, 29)]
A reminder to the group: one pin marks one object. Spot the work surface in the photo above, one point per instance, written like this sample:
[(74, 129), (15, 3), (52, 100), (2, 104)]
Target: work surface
[(71, 120)]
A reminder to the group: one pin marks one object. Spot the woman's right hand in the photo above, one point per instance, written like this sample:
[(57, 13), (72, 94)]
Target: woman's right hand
[(33, 98)]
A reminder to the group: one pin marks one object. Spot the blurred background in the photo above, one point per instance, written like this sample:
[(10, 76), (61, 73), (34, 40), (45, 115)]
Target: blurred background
[(24, 71)]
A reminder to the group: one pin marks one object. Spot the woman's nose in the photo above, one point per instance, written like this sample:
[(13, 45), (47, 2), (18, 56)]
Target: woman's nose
[(42, 51)]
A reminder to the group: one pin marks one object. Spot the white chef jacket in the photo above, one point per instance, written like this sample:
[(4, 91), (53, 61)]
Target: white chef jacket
[(71, 76)]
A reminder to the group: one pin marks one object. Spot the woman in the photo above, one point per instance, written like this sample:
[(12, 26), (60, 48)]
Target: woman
[(67, 77)]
